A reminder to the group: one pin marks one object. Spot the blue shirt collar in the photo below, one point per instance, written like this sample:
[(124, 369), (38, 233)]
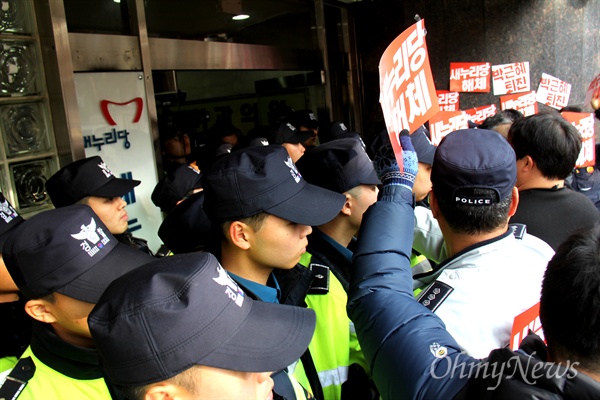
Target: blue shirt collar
[(341, 249), (269, 293)]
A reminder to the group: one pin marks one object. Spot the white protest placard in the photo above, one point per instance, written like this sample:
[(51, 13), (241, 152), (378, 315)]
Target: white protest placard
[(553, 92), (510, 78)]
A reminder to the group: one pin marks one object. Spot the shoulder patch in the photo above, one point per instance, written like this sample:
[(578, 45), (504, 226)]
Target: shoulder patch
[(320, 282), (433, 296), (519, 230)]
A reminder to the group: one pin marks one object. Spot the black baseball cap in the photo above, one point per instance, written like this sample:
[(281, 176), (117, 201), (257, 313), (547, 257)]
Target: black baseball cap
[(175, 186), (338, 165), (470, 159), (264, 179), (187, 228), (88, 177), (423, 147), (305, 118), (9, 219), (185, 310), (67, 250), (288, 133)]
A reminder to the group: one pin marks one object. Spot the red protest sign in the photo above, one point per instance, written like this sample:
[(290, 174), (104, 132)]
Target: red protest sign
[(510, 78), (445, 122), (528, 320), (523, 102), (479, 114), (470, 77), (447, 100), (584, 122), (407, 91), (553, 92), (594, 88)]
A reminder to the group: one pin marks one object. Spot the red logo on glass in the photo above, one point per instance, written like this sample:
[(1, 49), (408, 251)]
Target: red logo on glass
[(138, 112)]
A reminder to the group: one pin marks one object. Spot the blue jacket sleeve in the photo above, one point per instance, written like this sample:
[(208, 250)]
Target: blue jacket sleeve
[(409, 351)]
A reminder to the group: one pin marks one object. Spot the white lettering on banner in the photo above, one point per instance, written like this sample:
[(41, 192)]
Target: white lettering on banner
[(410, 57), (588, 145), (333, 376), (418, 98), (439, 129)]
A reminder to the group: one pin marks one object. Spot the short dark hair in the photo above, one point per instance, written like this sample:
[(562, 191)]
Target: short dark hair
[(551, 141), (508, 116), (472, 220), (255, 221), (570, 300)]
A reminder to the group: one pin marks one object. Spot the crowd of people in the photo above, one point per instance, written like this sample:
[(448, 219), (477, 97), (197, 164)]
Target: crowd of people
[(307, 265)]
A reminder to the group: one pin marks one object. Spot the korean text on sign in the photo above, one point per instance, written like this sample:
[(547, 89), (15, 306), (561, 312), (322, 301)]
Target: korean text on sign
[(553, 92), (510, 78), (445, 122), (107, 138), (407, 91), (584, 122), (523, 102), (479, 114), (470, 77), (448, 101)]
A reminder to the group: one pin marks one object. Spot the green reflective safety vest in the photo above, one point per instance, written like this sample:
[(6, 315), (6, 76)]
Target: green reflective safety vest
[(415, 260), (48, 384), (334, 346)]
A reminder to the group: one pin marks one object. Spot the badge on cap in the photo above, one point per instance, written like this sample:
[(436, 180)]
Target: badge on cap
[(91, 233), (293, 170), (232, 290), (105, 169), (7, 212)]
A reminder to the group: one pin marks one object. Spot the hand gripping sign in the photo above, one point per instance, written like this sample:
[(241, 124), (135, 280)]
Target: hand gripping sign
[(407, 92)]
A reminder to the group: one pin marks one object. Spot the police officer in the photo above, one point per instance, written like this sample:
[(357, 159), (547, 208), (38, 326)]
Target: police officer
[(343, 166), (90, 181), (62, 260)]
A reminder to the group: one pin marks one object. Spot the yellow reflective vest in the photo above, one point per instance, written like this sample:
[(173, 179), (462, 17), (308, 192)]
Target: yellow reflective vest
[(334, 346)]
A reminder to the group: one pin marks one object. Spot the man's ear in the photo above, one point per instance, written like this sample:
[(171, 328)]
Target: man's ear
[(40, 310), (528, 164), (239, 234), (515, 201), (347, 208), (163, 391)]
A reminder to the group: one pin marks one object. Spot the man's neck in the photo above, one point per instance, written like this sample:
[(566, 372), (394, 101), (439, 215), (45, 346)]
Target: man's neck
[(541, 182), (72, 338), (338, 230), (241, 266), (456, 242)]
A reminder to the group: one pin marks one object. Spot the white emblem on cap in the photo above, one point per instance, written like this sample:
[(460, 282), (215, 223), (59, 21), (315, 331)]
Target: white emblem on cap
[(7, 213), (312, 116), (93, 234), (292, 127), (232, 290), (264, 142), (293, 170), (105, 169)]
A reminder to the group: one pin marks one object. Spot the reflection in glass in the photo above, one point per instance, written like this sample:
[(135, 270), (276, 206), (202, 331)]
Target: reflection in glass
[(30, 179), (13, 16), (24, 128), (17, 72)]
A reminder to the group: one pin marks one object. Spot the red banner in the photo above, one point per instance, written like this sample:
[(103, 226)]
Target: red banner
[(447, 100), (479, 114), (510, 78), (407, 91), (445, 122), (553, 92), (523, 102), (470, 77), (527, 321), (584, 122)]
